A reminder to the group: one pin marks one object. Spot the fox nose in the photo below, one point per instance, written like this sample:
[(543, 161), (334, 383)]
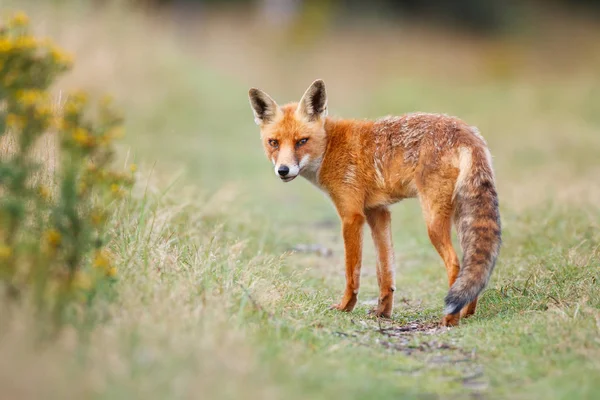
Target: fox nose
[(283, 170)]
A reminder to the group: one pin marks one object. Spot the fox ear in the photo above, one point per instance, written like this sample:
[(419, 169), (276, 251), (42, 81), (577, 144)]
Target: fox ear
[(313, 104), (263, 106)]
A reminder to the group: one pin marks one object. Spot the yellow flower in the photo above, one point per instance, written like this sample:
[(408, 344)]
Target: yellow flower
[(5, 252), (43, 111), (83, 138), (44, 192), (60, 123), (15, 121), (29, 97), (61, 57), (102, 260), (80, 135), (72, 108), (112, 271), (115, 188), (53, 238), (19, 19), (133, 167), (113, 133), (5, 45), (75, 103), (25, 43), (79, 97)]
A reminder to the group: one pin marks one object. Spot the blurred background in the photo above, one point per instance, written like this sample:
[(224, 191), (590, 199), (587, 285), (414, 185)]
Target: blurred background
[(525, 72)]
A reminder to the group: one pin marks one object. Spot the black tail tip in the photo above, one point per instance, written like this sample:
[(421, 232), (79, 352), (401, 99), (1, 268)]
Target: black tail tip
[(454, 303)]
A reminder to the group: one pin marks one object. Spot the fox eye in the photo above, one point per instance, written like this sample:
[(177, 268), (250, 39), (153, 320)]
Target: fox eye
[(301, 142), (274, 143)]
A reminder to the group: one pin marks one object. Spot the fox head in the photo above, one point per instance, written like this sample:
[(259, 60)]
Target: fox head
[(293, 135)]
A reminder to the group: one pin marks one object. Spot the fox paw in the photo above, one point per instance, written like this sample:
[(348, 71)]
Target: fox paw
[(451, 320), (339, 307), (380, 313)]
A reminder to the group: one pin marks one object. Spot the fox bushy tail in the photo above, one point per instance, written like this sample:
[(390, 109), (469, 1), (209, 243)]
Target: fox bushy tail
[(477, 220)]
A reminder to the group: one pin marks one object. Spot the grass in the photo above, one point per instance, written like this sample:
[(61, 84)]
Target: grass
[(210, 302)]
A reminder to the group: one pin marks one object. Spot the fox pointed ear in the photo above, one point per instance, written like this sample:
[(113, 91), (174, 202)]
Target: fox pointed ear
[(263, 106), (313, 104)]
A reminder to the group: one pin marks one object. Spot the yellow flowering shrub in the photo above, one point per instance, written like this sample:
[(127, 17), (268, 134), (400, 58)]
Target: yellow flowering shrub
[(52, 231)]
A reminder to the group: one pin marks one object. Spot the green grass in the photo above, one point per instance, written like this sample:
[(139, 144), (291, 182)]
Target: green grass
[(210, 303)]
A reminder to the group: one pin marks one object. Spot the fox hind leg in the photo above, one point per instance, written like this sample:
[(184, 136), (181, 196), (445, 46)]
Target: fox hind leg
[(469, 309), (439, 225), (437, 210), (438, 229)]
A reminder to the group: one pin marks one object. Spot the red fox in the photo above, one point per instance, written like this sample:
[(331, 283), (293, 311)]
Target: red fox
[(365, 166)]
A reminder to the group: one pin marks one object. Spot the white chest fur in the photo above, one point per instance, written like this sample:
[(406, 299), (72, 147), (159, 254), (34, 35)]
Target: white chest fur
[(310, 170)]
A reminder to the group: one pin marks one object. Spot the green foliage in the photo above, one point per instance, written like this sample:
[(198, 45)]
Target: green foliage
[(52, 220)]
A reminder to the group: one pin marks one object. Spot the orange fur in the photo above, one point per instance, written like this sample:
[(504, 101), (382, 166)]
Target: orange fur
[(364, 166)]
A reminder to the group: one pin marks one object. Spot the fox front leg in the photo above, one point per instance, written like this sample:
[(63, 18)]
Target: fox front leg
[(352, 227)]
